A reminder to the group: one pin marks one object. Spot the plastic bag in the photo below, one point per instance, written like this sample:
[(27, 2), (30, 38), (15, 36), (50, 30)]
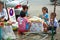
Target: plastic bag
[(8, 33)]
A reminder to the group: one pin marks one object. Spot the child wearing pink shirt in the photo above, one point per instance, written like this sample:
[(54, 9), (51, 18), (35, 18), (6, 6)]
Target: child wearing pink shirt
[(22, 21)]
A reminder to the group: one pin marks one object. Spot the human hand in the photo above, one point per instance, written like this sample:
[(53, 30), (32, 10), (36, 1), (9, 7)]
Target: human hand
[(10, 23), (43, 17)]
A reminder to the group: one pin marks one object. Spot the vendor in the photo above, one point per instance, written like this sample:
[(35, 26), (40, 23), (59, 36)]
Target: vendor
[(3, 16), (4, 30), (3, 12)]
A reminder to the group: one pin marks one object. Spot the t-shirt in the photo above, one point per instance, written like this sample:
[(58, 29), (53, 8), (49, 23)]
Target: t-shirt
[(4, 13), (22, 23), (55, 23), (26, 13), (46, 17)]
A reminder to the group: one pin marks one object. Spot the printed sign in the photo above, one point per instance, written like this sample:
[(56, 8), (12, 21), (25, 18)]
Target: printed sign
[(11, 14)]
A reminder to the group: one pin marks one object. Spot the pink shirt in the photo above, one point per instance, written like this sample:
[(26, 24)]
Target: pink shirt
[(22, 23)]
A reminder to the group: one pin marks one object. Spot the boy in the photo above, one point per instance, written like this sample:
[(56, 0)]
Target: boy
[(53, 22)]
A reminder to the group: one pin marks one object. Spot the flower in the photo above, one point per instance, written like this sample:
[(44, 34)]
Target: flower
[(1, 24)]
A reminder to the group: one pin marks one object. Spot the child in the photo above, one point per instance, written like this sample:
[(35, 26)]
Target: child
[(53, 21), (25, 9), (45, 14), (22, 21)]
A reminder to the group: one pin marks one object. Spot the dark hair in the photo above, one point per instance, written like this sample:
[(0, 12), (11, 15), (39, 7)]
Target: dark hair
[(1, 3), (25, 7), (53, 14), (22, 14), (44, 8)]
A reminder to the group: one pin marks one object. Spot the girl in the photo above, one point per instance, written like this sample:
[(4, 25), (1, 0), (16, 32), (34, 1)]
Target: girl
[(22, 21), (45, 14)]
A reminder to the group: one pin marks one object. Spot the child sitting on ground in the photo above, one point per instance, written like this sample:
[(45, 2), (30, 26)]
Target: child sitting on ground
[(22, 21), (45, 14), (53, 22)]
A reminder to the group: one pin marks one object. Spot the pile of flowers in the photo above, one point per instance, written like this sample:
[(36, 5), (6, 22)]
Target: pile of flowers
[(1, 24)]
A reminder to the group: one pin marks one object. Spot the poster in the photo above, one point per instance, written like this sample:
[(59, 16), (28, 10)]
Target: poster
[(11, 14)]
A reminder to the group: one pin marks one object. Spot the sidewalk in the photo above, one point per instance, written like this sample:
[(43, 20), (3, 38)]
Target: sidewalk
[(36, 10)]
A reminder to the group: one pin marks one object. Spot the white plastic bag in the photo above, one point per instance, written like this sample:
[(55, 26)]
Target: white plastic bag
[(8, 33)]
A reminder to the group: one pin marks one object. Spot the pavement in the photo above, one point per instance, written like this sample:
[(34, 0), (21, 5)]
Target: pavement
[(35, 8)]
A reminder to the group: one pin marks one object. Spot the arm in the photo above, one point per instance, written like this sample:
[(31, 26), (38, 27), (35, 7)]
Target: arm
[(29, 22), (47, 17), (18, 19), (56, 24)]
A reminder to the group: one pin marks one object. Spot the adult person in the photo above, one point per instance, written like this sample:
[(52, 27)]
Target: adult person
[(3, 12), (4, 17)]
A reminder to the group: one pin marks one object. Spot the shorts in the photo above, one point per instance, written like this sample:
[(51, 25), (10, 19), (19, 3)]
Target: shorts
[(21, 32)]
